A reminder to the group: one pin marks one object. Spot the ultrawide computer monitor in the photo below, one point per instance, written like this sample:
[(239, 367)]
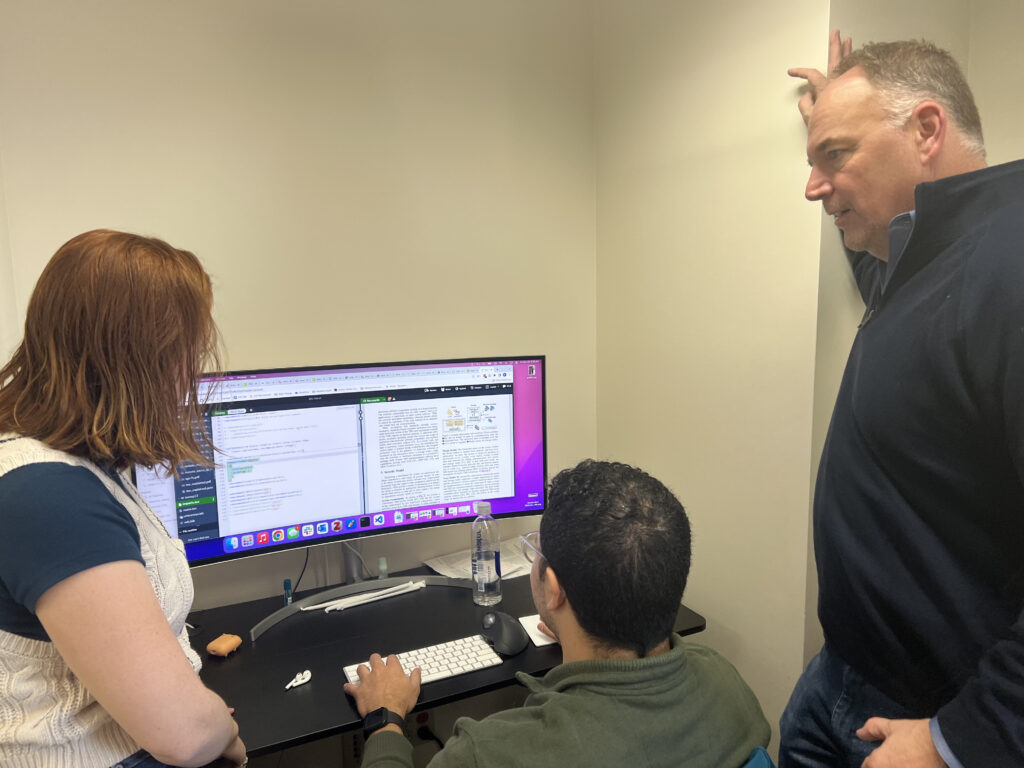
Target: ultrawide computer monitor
[(317, 454)]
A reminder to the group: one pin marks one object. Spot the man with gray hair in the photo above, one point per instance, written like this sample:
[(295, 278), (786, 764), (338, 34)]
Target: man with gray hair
[(919, 501)]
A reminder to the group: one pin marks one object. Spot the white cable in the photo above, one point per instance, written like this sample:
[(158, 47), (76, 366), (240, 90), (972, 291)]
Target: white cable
[(366, 597)]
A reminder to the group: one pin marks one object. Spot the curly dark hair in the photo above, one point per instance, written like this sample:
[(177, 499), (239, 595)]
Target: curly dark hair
[(619, 542)]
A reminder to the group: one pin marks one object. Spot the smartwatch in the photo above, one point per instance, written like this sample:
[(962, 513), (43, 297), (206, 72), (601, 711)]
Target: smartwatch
[(377, 719)]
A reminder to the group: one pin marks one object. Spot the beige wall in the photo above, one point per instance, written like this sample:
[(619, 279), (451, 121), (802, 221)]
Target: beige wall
[(997, 75), (365, 181), (707, 290), (10, 323)]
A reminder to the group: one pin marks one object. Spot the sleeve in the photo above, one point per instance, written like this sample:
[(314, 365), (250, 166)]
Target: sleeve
[(460, 748), (941, 746), (58, 520), (391, 750), (983, 724), (867, 273), (387, 750)]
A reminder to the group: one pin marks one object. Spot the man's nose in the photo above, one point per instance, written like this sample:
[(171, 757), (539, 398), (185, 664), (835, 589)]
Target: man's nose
[(818, 186)]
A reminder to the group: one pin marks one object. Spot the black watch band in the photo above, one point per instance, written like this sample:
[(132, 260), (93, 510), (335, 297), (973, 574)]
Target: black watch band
[(377, 719)]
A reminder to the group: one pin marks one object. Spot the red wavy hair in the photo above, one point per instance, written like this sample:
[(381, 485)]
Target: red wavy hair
[(117, 333)]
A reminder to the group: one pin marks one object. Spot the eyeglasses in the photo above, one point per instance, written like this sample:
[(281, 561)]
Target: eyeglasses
[(531, 546)]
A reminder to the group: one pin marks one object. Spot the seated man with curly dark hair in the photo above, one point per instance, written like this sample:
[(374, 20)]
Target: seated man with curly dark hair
[(610, 563)]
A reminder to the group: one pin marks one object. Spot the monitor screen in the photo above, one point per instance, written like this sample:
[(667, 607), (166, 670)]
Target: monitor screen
[(312, 455)]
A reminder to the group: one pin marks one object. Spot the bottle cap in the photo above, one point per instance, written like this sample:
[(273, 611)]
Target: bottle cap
[(482, 507)]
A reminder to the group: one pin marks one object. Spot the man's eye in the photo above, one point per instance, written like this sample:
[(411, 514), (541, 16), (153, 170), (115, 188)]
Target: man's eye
[(833, 155)]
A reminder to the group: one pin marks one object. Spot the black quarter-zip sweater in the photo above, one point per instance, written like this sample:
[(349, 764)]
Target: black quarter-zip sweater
[(919, 502)]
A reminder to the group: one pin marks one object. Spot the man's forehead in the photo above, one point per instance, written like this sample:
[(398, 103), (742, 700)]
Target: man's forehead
[(849, 89), (845, 104)]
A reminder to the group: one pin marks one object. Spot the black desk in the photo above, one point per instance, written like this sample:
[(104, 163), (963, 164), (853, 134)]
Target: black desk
[(253, 678)]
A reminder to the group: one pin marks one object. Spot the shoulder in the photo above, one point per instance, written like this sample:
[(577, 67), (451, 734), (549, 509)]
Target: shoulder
[(712, 674), (999, 232), (58, 519), (44, 494), (17, 450), (994, 267), (725, 697), (701, 657), (997, 223), (47, 472), (705, 658)]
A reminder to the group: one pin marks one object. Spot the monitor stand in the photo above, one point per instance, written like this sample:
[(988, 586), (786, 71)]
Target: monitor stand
[(354, 585)]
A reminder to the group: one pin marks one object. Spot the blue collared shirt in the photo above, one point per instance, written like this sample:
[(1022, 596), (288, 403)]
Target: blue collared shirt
[(900, 229)]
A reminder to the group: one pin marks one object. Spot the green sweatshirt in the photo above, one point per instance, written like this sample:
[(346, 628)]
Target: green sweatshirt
[(687, 708)]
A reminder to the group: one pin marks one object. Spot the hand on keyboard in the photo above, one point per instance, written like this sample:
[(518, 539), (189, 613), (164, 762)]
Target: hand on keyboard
[(467, 654), (385, 685)]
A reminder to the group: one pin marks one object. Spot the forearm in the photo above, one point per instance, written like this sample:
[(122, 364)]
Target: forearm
[(201, 732), (124, 652)]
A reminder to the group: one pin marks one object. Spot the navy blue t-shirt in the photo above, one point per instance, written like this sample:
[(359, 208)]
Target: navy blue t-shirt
[(55, 521)]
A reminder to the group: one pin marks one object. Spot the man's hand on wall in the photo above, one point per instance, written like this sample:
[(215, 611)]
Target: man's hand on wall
[(816, 81)]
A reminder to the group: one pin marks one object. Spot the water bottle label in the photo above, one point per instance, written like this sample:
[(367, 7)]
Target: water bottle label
[(497, 563)]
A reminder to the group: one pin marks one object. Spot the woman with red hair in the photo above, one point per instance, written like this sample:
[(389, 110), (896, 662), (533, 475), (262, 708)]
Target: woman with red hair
[(96, 668)]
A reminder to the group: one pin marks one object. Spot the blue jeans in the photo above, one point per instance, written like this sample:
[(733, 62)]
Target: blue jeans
[(828, 705), (142, 759)]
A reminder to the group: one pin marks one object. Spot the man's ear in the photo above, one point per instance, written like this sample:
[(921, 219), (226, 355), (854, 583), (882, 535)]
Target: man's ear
[(554, 595), (929, 124)]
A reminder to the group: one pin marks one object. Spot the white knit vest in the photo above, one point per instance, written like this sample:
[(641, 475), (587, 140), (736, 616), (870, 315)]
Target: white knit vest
[(47, 717)]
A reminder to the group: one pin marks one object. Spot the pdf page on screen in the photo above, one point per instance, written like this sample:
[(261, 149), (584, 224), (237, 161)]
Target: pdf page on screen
[(287, 466), (436, 451)]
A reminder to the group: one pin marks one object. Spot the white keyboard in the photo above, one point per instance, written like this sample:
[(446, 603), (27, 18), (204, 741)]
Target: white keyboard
[(436, 662)]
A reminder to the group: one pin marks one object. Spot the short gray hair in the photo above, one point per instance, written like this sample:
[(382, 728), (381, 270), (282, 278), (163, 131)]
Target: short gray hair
[(907, 72)]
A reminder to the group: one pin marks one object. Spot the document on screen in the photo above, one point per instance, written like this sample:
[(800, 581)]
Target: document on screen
[(437, 451)]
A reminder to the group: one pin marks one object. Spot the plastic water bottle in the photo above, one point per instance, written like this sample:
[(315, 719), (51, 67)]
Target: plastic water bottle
[(485, 547)]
